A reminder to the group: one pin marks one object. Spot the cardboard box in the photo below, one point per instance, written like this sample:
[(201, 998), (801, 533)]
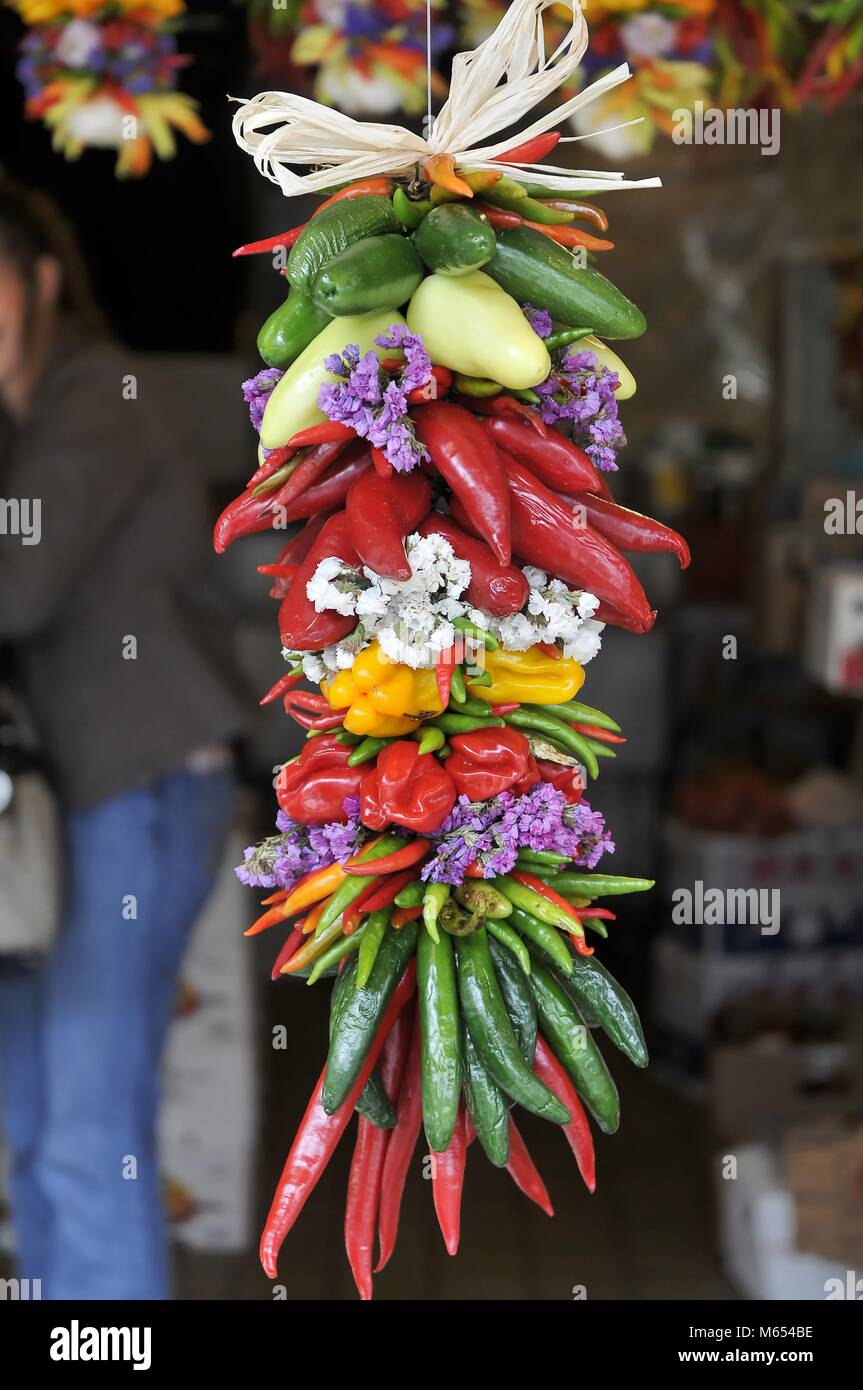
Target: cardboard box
[(822, 1165), (834, 629)]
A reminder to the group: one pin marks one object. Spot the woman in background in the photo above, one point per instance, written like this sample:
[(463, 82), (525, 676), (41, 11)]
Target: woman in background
[(121, 662)]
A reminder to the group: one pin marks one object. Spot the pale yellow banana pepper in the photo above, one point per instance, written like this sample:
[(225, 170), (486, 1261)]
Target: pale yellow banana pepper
[(530, 677), (383, 698)]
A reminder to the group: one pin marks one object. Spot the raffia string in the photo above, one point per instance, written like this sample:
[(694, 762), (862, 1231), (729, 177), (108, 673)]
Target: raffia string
[(493, 88)]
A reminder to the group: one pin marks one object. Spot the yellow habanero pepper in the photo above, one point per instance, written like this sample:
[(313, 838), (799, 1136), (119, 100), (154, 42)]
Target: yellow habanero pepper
[(383, 698), (529, 677)]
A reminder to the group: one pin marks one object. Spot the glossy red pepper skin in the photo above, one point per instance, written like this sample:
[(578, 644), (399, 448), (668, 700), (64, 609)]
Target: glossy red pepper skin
[(270, 243), (331, 487), (506, 407), (301, 628), (486, 762), (631, 530), (546, 533), (447, 1184), (400, 1150), (523, 1172), (248, 514), (607, 613), (408, 787), (577, 1130), (271, 464), (461, 454), (364, 1181), (296, 550), (381, 512), (556, 461), (386, 892), (530, 151), (497, 589), (318, 1135), (438, 385), (568, 780), (292, 942), (313, 789)]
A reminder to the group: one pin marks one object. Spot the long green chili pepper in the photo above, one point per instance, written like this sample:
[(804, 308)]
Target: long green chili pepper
[(504, 933), (487, 1104), (346, 737), (440, 1029), (464, 724), (570, 1039), (434, 897), (478, 709), (470, 629), (576, 713), (565, 337), (411, 895), (373, 934), (599, 885), (484, 678), (341, 947), (280, 476), (595, 925), (544, 936), (601, 750), (368, 749), (548, 857), (456, 685), (517, 997), (374, 1103), (429, 740), (353, 884), (534, 903), (557, 732), (529, 397)]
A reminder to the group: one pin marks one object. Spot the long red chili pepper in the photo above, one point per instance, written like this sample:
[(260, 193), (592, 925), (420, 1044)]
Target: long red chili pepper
[(556, 461), (403, 915), (298, 704), (523, 1172), (400, 1150), (328, 432), (249, 513), (447, 1184), (358, 908), (320, 457), (495, 588), (577, 1129), (604, 735), (539, 886), (571, 236), (607, 613), (292, 942), (499, 218), (391, 863), (461, 453), (270, 243), (332, 487), (318, 1135), (443, 674), (504, 405), (530, 151), (631, 530), (500, 710), (387, 891), (302, 628), (603, 912), (282, 685), (381, 513), (364, 1181), (271, 464)]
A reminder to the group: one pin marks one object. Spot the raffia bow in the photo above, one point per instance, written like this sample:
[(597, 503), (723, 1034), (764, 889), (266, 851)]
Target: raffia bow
[(492, 89)]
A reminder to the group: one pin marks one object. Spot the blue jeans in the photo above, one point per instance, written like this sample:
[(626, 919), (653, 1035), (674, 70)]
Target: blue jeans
[(81, 1039)]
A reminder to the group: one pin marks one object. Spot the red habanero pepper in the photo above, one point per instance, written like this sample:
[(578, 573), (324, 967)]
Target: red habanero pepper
[(556, 461), (607, 613), (546, 533), (523, 1172), (577, 1129), (495, 588), (486, 762), (443, 674), (330, 488), (438, 385), (292, 942), (569, 780), (318, 1135), (408, 787), (393, 863), (530, 151), (327, 432), (271, 243), (400, 1149), (381, 512), (281, 687), (312, 789), (403, 915), (460, 453), (301, 627), (504, 406), (367, 1165), (447, 1183), (630, 530)]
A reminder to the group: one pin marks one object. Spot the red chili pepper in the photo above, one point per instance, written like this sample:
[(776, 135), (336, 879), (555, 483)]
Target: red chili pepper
[(545, 532), (571, 236), (403, 915), (530, 151), (460, 453), (539, 886), (607, 613), (499, 218), (318, 1135), (585, 211), (504, 405), (523, 1172), (377, 184), (312, 789), (486, 762), (367, 1165), (279, 572), (577, 1130), (271, 464), (387, 891), (283, 684), (392, 863), (447, 1184), (400, 1150), (381, 464), (296, 550), (474, 870), (437, 386), (558, 462), (320, 458), (381, 512), (332, 487), (604, 735), (550, 650), (312, 711), (328, 432), (630, 530), (568, 780), (500, 710), (603, 912), (443, 670), (271, 243), (408, 787), (248, 513), (301, 627), (358, 908), (495, 588), (292, 942)]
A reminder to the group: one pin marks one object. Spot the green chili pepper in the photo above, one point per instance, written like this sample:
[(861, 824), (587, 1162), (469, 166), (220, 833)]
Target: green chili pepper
[(504, 933), (484, 678), (547, 872), (544, 936), (488, 640), (368, 749), (595, 924), (492, 1032), (534, 903), (478, 709), (601, 750), (456, 685), (599, 885), (440, 1030), (516, 996), (346, 737), (374, 1104), (529, 397), (487, 1105), (565, 337), (411, 895), (280, 476), (434, 898), (410, 212), (476, 385), (599, 997), (316, 733), (513, 198), (576, 713), (430, 740), (353, 884), (570, 1038), (455, 921), (373, 934), (464, 724), (543, 856), (344, 946), (483, 899), (557, 732)]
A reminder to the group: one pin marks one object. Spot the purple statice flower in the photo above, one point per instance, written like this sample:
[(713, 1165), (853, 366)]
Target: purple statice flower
[(593, 838), (257, 391), (539, 320), (580, 391), (280, 860), (375, 404)]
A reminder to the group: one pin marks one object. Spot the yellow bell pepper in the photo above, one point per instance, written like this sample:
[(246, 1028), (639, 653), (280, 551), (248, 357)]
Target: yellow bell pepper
[(530, 677), (383, 698)]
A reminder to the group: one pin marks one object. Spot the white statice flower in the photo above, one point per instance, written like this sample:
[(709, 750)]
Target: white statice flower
[(586, 644), (314, 668), (325, 594)]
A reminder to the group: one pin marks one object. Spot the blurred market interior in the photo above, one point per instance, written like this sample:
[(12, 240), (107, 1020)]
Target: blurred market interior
[(744, 761)]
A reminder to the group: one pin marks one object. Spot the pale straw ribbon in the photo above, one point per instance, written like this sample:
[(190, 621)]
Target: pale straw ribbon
[(492, 89)]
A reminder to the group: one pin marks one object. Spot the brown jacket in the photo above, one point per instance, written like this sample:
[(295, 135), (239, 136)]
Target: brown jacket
[(120, 651)]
